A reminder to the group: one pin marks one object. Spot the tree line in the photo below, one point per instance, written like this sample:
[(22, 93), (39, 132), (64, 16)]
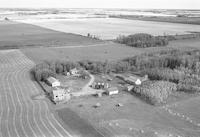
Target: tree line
[(143, 40)]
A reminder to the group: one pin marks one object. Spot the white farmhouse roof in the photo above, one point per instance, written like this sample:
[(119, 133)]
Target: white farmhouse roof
[(112, 89), (57, 92), (52, 80)]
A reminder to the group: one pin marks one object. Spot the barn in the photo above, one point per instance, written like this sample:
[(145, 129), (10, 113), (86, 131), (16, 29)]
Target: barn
[(53, 82)]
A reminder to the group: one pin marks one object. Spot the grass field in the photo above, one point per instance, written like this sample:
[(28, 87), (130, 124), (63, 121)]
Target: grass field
[(110, 28), (102, 52), (135, 118), (19, 35)]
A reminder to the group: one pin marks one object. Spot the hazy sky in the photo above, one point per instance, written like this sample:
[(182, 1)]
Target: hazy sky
[(156, 4)]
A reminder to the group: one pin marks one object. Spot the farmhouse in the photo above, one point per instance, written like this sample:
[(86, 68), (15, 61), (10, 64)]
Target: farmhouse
[(59, 95), (53, 82), (112, 91), (74, 71), (135, 80)]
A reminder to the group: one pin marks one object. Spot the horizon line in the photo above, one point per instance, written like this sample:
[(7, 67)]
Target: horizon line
[(97, 8)]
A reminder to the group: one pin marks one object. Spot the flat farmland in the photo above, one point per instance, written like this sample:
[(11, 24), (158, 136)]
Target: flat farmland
[(110, 28), (20, 35), (20, 116), (106, 51)]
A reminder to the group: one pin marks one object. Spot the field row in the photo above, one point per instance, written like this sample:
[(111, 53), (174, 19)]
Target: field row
[(20, 116)]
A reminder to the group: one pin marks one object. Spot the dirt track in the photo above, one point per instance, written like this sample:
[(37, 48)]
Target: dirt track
[(20, 116)]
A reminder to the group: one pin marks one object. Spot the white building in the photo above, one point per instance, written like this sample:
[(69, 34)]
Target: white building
[(138, 82), (53, 82), (74, 71), (112, 91), (59, 95)]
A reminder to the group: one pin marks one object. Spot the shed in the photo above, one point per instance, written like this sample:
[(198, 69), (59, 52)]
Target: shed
[(112, 91), (53, 82)]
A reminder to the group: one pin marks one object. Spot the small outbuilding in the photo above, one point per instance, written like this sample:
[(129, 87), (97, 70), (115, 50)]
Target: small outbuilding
[(112, 91), (53, 82)]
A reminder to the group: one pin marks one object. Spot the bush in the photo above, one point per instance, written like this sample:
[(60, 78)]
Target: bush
[(155, 92), (142, 40)]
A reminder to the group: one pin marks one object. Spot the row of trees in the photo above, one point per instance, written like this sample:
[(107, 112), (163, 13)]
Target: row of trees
[(143, 40), (50, 68)]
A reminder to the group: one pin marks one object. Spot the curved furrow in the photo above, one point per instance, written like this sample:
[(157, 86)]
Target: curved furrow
[(21, 116), (36, 114), (23, 126), (4, 121), (50, 118), (22, 123), (45, 120), (1, 103), (3, 128), (28, 114), (11, 121)]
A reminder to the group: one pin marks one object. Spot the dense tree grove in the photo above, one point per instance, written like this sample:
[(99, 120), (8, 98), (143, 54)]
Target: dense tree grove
[(48, 68), (143, 40), (165, 74), (179, 67), (155, 92)]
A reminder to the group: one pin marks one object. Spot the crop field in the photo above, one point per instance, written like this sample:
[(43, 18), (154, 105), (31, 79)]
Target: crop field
[(20, 116), (110, 28), (19, 35)]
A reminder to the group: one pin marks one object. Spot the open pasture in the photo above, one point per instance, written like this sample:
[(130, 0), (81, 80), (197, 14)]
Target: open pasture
[(134, 118), (107, 51)]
